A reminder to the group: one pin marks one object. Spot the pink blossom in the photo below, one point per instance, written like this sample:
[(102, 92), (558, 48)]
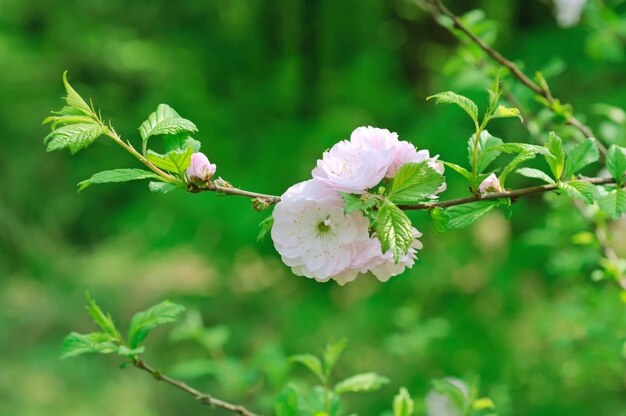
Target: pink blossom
[(359, 164)]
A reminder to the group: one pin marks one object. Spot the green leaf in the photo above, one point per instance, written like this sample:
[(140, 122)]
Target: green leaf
[(104, 321), (483, 403), (332, 353), (583, 154), (361, 383), (117, 175), (74, 137), (95, 342), (128, 352), (582, 190), (535, 174), (460, 170), (177, 142), (517, 160), (510, 148), (614, 203), (403, 404), (506, 112), (162, 187), (352, 203), (73, 99), (461, 216), (311, 362), (556, 159), (165, 121), (414, 182), (439, 218), (393, 229), (265, 227), (176, 161), (143, 322), (67, 119), (616, 163), (485, 153), (449, 97), (287, 402)]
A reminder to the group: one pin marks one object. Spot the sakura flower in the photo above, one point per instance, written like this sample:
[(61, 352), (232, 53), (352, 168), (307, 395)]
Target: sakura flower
[(490, 184), (312, 234), (358, 164), (200, 170), (407, 153)]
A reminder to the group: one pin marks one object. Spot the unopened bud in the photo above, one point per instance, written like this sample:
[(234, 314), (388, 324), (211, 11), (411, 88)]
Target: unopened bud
[(490, 184), (200, 171)]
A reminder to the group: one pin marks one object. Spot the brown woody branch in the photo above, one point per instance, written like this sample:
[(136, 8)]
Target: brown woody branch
[(203, 398)]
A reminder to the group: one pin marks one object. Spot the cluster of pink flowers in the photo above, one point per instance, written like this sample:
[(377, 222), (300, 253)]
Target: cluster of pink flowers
[(311, 232)]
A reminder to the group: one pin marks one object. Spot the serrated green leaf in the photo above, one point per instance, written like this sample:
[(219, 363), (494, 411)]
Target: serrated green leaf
[(287, 402), (583, 154), (128, 352), (162, 187), (511, 148), (535, 174), (95, 342), (352, 203), (460, 170), (485, 153), (582, 190), (74, 137), (174, 142), (614, 203), (465, 103), (117, 175), (616, 163), (73, 99), (414, 182), (103, 320), (265, 227), (67, 119), (165, 120), (517, 160), (143, 322), (556, 159), (393, 229), (361, 383), (461, 216), (506, 112), (332, 353), (311, 362), (176, 161), (403, 404)]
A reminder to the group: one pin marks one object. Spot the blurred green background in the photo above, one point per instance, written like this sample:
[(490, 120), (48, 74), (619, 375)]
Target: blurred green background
[(271, 84)]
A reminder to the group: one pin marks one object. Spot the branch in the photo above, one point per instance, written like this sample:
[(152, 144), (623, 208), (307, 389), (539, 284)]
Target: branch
[(203, 398), (543, 90), (498, 195)]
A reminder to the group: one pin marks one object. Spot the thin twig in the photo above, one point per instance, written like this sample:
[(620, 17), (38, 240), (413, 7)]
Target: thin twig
[(524, 79), (203, 398), (499, 195)]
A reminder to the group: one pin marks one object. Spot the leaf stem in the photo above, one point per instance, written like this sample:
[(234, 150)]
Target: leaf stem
[(203, 398)]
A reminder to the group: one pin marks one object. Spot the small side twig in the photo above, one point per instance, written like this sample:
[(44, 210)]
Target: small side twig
[(543, 91), (203, 398)]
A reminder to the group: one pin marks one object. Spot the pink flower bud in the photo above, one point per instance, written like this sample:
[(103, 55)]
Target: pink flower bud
[(200, 171), (490, 184)]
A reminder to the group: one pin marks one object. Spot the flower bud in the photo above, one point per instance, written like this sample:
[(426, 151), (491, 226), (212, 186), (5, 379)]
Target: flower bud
[(200, 171), (490, 184)]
